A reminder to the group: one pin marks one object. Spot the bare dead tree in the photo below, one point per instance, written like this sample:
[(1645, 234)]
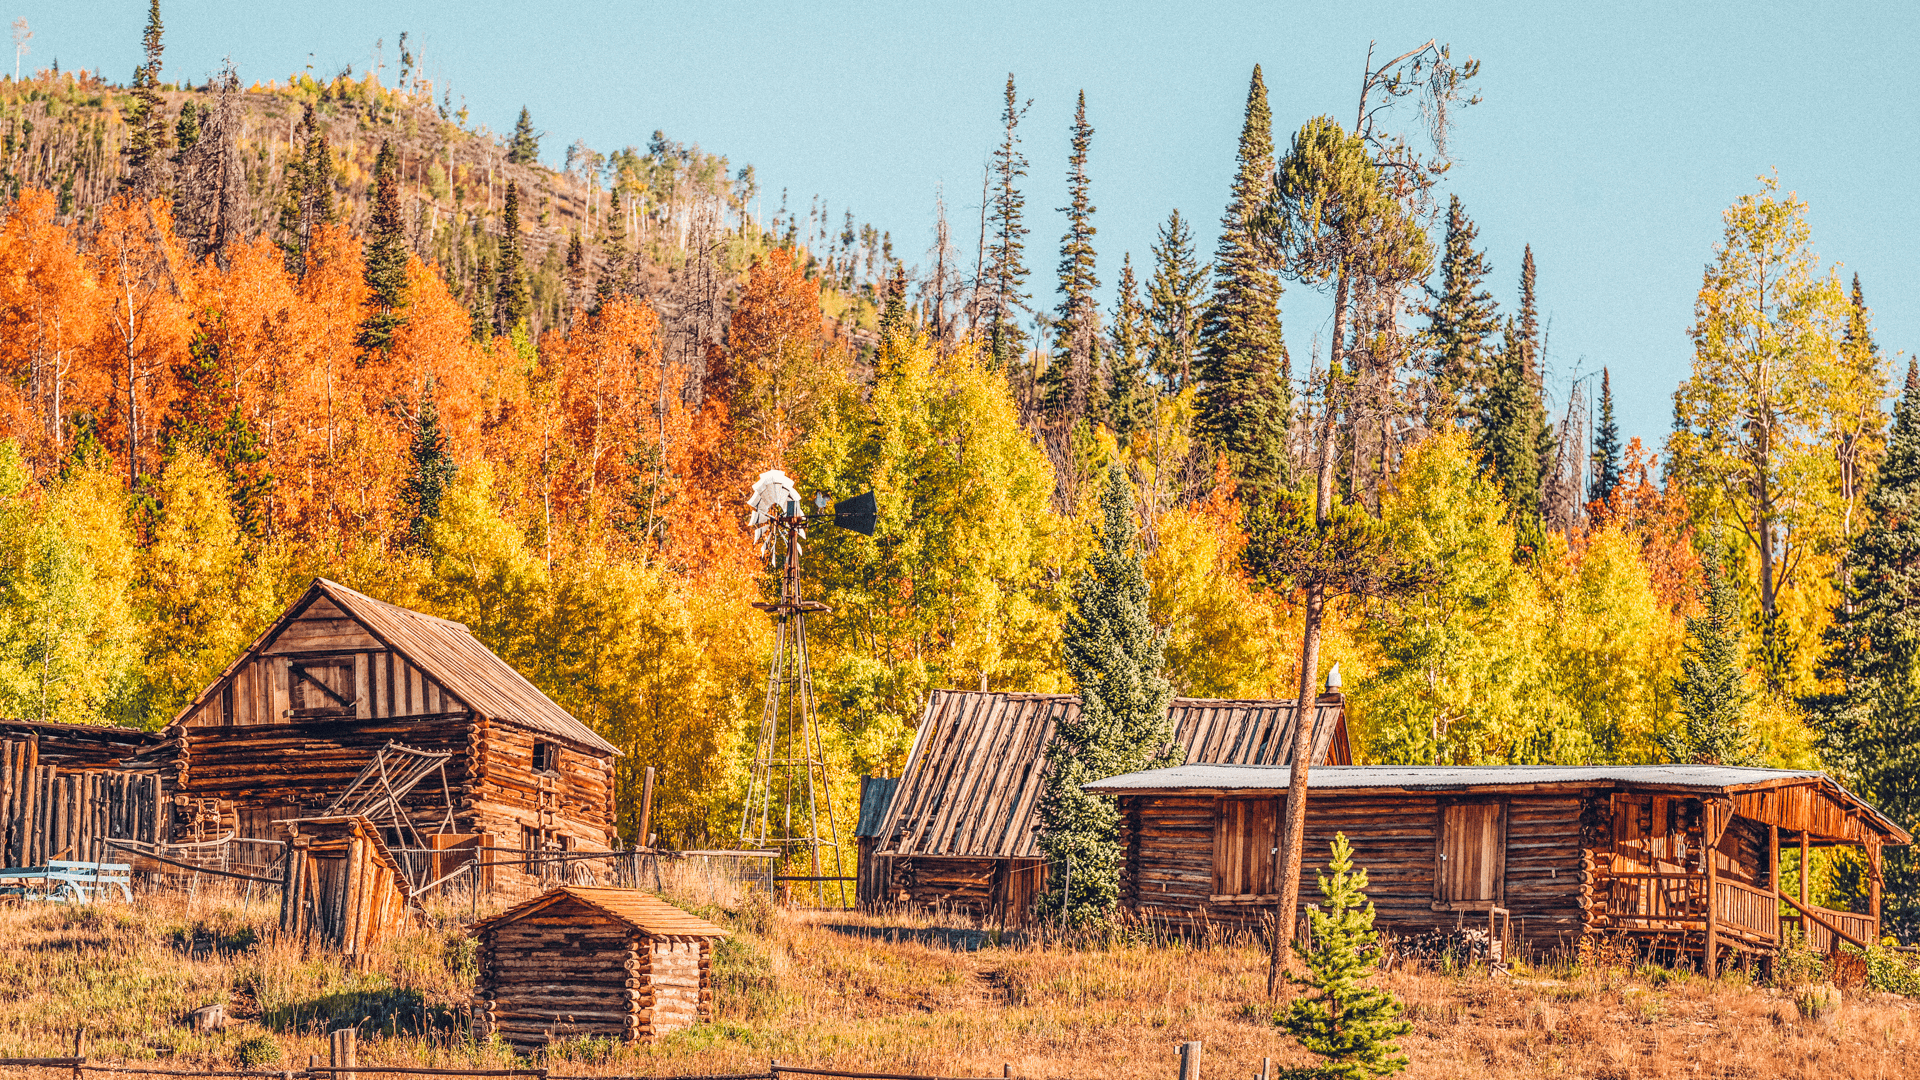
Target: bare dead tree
[(213, 186)]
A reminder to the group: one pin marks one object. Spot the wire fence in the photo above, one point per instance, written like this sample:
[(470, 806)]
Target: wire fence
[(774, 1071)]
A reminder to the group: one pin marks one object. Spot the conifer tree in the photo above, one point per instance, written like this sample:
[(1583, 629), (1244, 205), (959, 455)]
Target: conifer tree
[(1526, 335), (1870, 726), (1004, 295), (512, 302), (893, 313), (432, 471), (1712, 687), (523, 146), (1245, 376), (147, 119), (1115, 657), (1177, 296), (1606, 445), (186, 131), (309, 194), (576, 271), (1127, 388), (1070, 380), (1461, 318), (385, 253), (1505, 435), (207, 418), (1349, 1024)]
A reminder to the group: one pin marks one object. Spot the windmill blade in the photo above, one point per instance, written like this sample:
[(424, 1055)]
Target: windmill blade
[(857, 513)]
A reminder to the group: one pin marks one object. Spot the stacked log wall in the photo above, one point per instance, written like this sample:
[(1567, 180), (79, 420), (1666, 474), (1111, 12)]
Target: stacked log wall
[(48, 812), (562, 971), (574, 800)]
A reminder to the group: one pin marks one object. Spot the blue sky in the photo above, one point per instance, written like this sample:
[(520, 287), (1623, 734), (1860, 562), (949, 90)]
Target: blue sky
[(1611, 136)]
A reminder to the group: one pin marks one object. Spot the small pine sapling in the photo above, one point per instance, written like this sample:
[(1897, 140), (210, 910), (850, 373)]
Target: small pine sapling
[(1342, 1019)]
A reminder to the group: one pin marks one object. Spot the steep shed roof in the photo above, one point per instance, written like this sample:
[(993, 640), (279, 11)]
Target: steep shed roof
[(639, 911), (971, 788), (447, 651)]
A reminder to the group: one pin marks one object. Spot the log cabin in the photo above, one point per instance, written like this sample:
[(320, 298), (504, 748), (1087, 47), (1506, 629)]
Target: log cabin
[(63, 794), (1680, 859), (584, 962), (340, 675), (961, 828)]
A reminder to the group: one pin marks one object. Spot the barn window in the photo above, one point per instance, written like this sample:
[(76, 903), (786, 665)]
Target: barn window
[(1243, 843), (1470, 856), (546, 757)]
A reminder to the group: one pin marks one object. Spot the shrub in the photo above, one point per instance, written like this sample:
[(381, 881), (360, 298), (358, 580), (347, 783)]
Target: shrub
[(256, 1050)]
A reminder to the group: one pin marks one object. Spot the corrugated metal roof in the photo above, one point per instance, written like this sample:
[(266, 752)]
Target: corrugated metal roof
[(971, 788), (642, 911), (876, 796)]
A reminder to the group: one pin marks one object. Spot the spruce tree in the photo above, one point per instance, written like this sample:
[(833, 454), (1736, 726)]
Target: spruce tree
[(1004, 295), (308, 204), (207, 418), (1712, 687), (1606, 445), (1869, 726), (186, 131), (1115, 657), (147, 118), (432, 470), (1349, 1024), (1245, 375), (1070, 379), (1128, 390), (523, 146), (385, 254), (512, 302), (1461, 319), (1526, 334), (1506, 434), (1177, 296)]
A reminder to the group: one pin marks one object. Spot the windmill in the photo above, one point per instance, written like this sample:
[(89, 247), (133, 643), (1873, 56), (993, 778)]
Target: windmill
[(788, 782)]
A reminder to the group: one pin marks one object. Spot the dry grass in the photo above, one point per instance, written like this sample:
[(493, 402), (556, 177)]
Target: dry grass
[(917, 995)]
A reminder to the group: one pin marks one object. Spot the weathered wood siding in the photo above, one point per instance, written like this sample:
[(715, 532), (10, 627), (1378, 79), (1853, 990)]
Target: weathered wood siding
[(981, 888), (50, 812)]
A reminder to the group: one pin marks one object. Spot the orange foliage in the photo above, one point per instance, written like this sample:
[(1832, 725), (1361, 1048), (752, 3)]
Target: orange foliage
[(775, 338), (1658, 516), (49, 310), (143, 274)]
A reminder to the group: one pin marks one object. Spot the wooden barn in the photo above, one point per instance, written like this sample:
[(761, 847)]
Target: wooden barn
[(579, 961), (63, 794), (341, 677), (1680, 857), (961, 828)]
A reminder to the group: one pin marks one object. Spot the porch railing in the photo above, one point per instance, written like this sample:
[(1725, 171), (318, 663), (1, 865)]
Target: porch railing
[(1822, 926), (1744, 908), (1651, 899)]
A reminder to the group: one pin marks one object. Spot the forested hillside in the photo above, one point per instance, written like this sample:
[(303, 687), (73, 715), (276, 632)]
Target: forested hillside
[(255, 333)]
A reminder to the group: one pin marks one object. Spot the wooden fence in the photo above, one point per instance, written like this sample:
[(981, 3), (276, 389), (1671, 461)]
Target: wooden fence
[(47, 812)]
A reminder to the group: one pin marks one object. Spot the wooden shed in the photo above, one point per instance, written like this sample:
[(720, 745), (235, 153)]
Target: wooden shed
[(583, 961), (63, 795), (292, 722), (1683, 858), (961, 829), (343, 889)]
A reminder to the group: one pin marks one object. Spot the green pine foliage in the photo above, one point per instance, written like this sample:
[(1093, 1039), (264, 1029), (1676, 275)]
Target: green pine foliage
[(1349, 1024), (512, 299), (1506, 435), (1712, 688), (1870, 725), (523, 146), (1005, 295), (386, 252), (1606, 445), (432, 472), (1129, 390), (186, 131), (1176, 298), (147, 118), (1115, 657), (1068, 384), (207, 419), (1245, 375), (1461, 319), (308, 204)]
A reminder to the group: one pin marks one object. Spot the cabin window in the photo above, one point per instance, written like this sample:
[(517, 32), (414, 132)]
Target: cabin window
[(546, 757), (1470, 856), (321, 687), (1243, 849)]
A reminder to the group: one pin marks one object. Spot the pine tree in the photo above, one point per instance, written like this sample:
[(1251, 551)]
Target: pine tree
[(1342, 1019), (309, 194), (1606, 445), (1870, 727), (1070, 379), (894, 318), (385, 253), (1505, 434), (1245, 376), (1461, 318), (432, 472), (512, 302), (1128, 390), (1115, 657), (1004, 295), (523, 146), (576, 271), (207, 418), (1526, 334), (186, 131), (147, 118), (1712, 687), (1178, 296)]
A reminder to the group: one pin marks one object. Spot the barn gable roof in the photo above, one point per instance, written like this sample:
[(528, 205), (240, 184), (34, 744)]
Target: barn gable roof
[(642, 912), (446, 650), (971, 788)]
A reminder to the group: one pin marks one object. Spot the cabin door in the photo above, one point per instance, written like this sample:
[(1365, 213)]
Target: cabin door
[(1472, 856)]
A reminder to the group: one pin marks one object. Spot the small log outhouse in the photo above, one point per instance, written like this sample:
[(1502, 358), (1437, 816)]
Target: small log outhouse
[(583, 961)]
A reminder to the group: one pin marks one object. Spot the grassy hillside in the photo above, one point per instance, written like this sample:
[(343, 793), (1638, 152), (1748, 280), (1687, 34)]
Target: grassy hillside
[(850, 991)]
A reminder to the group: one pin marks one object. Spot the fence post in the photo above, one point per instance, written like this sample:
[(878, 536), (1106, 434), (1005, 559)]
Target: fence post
[(79, 1050), (1190, 1061), (341, 1048)]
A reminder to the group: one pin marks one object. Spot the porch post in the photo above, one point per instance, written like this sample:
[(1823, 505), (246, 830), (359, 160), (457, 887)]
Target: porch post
[(1804, 849), (1713, 924), (1873, 889)]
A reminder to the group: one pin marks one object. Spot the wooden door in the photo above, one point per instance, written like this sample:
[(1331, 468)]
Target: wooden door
[(1472, 856), (1243, 848)]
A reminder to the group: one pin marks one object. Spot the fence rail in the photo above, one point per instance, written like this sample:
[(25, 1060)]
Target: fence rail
[(1745, 908), (328, 1072)]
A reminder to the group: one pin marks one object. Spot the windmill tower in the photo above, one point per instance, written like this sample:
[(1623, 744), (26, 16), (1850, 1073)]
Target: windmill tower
[(787, 786)]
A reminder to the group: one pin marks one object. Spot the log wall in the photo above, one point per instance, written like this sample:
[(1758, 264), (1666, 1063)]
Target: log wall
[(980, 888), (48, 812)]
